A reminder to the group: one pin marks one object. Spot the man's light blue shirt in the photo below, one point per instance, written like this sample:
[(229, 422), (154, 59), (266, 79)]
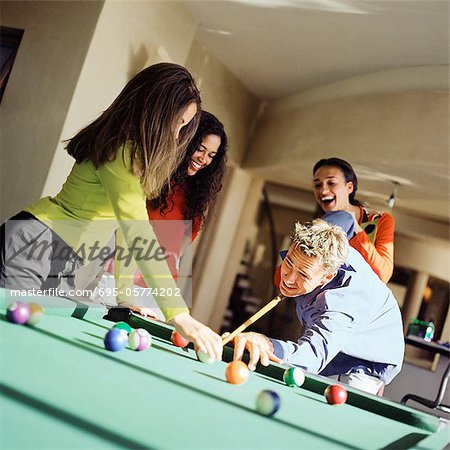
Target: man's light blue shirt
[(355, 314)]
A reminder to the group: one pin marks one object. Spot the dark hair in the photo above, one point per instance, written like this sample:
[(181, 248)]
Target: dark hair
[(202, 188), (348, 172), (144, 116)]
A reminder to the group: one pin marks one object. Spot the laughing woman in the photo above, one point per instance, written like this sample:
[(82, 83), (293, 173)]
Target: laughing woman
[(195, 184), (335, 185)]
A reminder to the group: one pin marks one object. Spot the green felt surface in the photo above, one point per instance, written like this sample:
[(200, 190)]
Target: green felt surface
[(313, 383), (61, 389)]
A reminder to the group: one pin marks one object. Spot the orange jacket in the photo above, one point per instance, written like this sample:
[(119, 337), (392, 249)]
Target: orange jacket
[(376, 243)]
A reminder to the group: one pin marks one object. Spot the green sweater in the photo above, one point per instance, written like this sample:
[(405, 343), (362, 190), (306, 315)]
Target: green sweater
[(92, 204)]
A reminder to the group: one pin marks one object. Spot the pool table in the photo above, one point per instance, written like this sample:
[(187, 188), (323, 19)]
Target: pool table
[(60, 388)]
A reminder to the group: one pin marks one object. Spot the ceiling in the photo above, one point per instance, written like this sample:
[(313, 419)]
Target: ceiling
[(278, 48)]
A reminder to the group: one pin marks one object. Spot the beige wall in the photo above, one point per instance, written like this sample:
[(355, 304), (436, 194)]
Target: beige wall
[(396, 121), (226, 97), (119, 49), (424, 255), (41, 85), (380, 125)]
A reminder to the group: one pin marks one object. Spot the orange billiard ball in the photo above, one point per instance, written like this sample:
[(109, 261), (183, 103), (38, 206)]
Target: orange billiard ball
[(335, 394), (36, 313), (178, 340), (236, 372)]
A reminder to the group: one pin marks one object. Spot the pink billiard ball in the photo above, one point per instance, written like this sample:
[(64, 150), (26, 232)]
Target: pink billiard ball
[(335, 394), (18, 312), (139, 340)]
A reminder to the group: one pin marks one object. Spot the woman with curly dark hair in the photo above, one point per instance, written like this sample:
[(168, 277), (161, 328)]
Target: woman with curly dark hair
[(197, 181)]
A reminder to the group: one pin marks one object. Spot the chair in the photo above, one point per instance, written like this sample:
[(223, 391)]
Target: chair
[(437, 402)]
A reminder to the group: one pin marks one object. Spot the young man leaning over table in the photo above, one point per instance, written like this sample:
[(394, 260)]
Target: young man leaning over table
[(352, 323)]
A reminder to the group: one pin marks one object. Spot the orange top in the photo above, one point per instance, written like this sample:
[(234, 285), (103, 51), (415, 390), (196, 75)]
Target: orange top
[(176, 204), (376, 242), (170, 228)]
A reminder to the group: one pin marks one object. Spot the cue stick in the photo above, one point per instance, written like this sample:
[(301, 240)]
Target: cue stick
[(253, 319)]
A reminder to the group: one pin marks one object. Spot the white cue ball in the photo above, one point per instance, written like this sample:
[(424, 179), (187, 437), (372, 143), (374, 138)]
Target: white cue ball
[(204, 358)]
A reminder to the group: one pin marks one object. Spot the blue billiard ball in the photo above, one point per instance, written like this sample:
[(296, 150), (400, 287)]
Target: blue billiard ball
[(267, 403), (115, 340)]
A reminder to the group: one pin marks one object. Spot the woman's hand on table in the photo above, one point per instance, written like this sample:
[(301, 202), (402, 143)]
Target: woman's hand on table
[(204, 339), (146, 312)]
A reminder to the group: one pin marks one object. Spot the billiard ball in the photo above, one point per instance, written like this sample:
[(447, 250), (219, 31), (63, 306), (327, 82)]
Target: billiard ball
[(268, 402), (178, 340), (123, 326), (115, 340), (18, 312), (236, 372), (205, 358), (139, 340), (294, 377), (335, 394), (36, 313)]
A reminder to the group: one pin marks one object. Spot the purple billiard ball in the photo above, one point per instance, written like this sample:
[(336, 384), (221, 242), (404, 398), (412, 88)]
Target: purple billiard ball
[(18, 312), (115, 340)]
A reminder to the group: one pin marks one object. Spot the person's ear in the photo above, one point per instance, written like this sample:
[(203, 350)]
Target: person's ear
[(327, 278), (350, 187)]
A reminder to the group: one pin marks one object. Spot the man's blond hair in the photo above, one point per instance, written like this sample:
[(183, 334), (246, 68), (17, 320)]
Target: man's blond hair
[(322, 240)]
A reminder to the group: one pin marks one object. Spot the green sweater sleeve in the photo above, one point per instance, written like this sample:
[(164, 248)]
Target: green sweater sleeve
[(127, 200), (124, 273)]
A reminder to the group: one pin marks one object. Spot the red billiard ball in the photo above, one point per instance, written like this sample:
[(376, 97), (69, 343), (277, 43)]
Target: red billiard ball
[(178, 340), (236, 372), (335, 394)]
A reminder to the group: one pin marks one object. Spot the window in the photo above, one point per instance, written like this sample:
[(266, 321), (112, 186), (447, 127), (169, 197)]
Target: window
[(9, 44)]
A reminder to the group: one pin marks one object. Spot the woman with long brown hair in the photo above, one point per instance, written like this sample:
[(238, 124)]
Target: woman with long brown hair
[(124, 157)]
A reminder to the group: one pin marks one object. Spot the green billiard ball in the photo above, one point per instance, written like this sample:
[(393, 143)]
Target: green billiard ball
[(123, 326), (294, 376)]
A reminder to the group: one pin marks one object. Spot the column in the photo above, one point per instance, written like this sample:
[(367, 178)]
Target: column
[(413, 298), (217, 261)]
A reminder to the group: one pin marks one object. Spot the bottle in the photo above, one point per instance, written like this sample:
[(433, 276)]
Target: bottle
[(429, 333)]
